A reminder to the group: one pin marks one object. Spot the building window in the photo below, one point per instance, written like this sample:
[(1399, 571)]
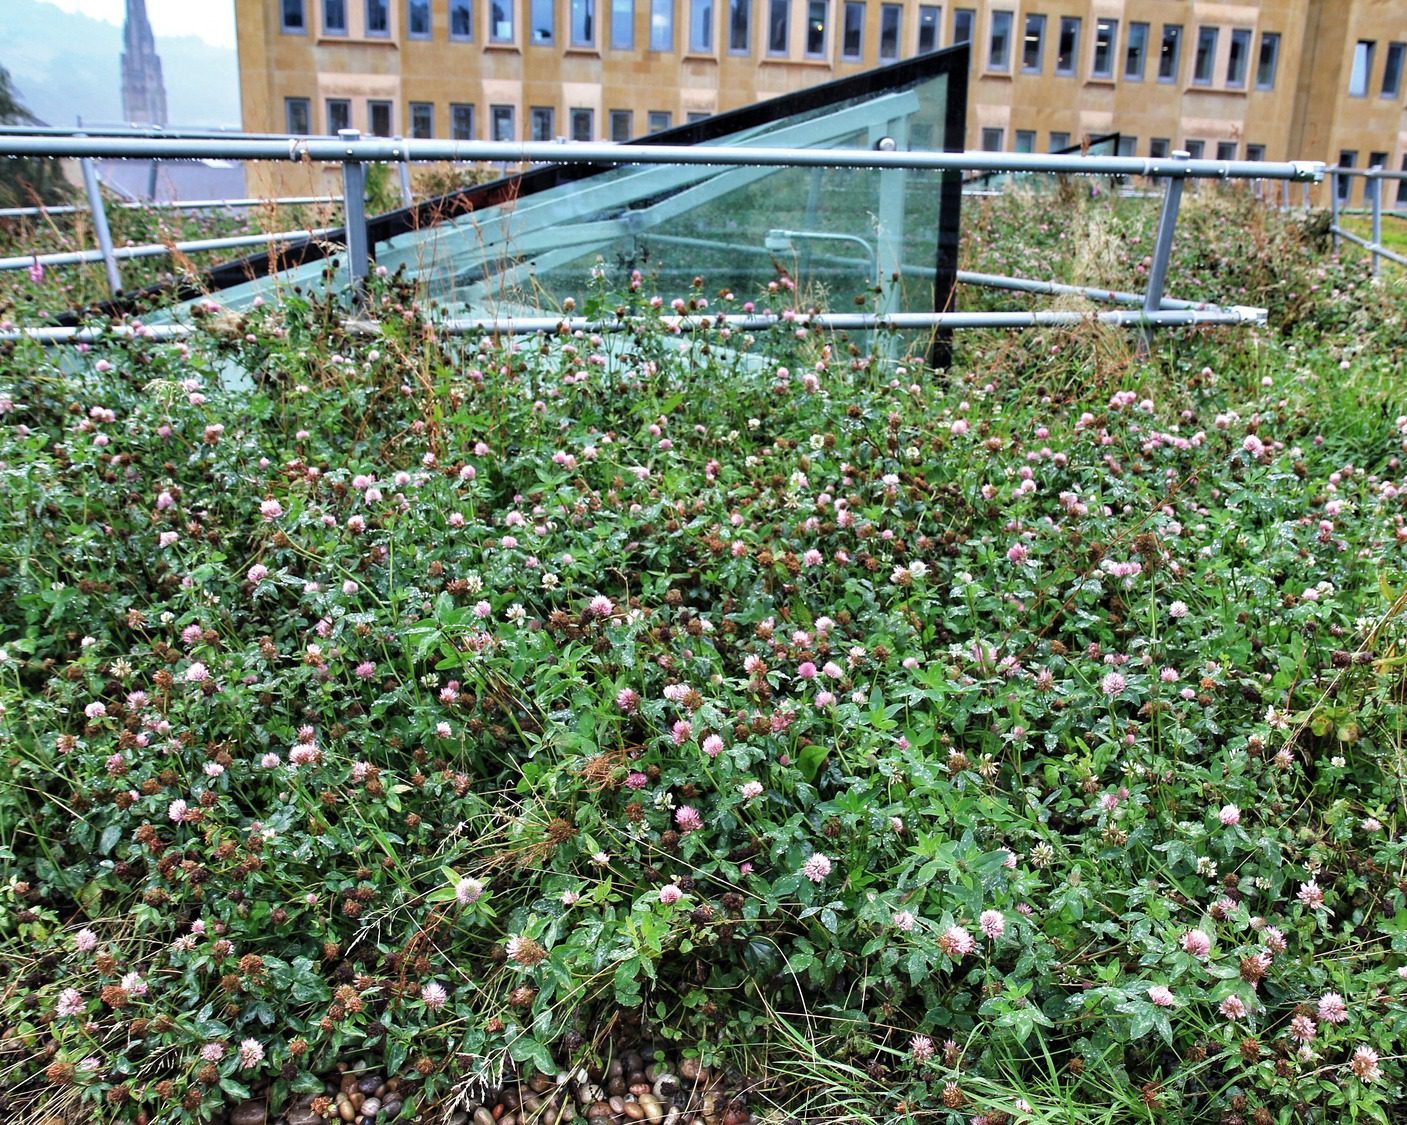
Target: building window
[(297, 115), (929, 18), (816, 29), (1136, 52), (1347, 159), (964, 20), (417, 19), (1392, 70), (1106, 34), (1126, 145), (890, 18), (778, 16), (1194, 148), (1377, 160), (540, 123), (623, 25), (339, 115), (461, 20), (661, 26), (701, 26), (1033, 45), (659, 120), (852, 36), (1170, 53), (1025, 140), (583, 121), (1238, 57), (334, 17), (501, 22), (583, 23), (1206, 56), (378, 118), (999, 42), (1059, 141), (461, 122), (1158, 148), (622, 124), (501, 121), (1362, 68), (422, 120), (696, 115), (542, 15), (739, 26), (1067, 50), (1402, 184), (1226, 150), (991, 140), (1268, 60), (378, 18), (1255, 152), (292, 20)]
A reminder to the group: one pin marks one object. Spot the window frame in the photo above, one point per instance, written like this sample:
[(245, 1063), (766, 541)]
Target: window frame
[(410, 32), (574, 118), (1172, 33), (1026, 136), (934, 14), (847, 25), (1344, 186), (1159, 147), (382, 6), (657, 121), (455, 109), (1366, 74), (536, 10), (891, 31), (658, 8), (581, 34), (495, 37), (285, 7), (702, 41), (1058, 135), (1136, 29), (501, 112), (1204, 60), (328, 28), (1271, 39), (305, 105), (412, 108), (346, 104), (964, 17), (1396, 52), (1241, 35), (1005, 19), (810, 47), (1106, 40), (1194, 147), (1227, 150), (541, 113), (386, 106), (1036, 21), (993, 133), (614, 118), (1255, 153), (1074, 25), (467, 7), (778, 31), (740, 28)]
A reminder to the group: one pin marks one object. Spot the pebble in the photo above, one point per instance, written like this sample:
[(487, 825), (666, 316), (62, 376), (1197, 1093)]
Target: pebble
[(635, 1111), (483, 1116), (371, 1084), (250, 1113), (372, 1106), (301, 1112), (345, 1109), (390, 1108)]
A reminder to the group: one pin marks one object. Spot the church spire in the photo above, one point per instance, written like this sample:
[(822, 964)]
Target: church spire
[(143, 92)]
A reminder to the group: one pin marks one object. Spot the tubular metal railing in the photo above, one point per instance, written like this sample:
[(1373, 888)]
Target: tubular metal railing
[(1340, 187), (353, 152)]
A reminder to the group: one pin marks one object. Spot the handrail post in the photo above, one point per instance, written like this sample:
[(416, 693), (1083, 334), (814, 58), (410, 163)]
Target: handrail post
[(1334, 209), (1162, 245), (100, 227), (407, 198), (354, 216), (1375, 185)]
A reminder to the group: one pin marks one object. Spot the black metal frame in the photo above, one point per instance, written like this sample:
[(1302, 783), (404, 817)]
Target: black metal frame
[(951, 62)]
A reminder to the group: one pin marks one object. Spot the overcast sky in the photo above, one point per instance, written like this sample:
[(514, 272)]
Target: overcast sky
[(211, 20)]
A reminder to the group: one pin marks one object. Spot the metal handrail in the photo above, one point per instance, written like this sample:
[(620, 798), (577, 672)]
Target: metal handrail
[(177, 205), (1373, 192)]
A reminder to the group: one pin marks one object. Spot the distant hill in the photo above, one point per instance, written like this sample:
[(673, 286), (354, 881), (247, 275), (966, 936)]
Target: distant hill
[(65, 64)]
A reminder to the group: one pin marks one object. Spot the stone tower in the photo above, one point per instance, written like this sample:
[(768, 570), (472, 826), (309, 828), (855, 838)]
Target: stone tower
[(143, 92)]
